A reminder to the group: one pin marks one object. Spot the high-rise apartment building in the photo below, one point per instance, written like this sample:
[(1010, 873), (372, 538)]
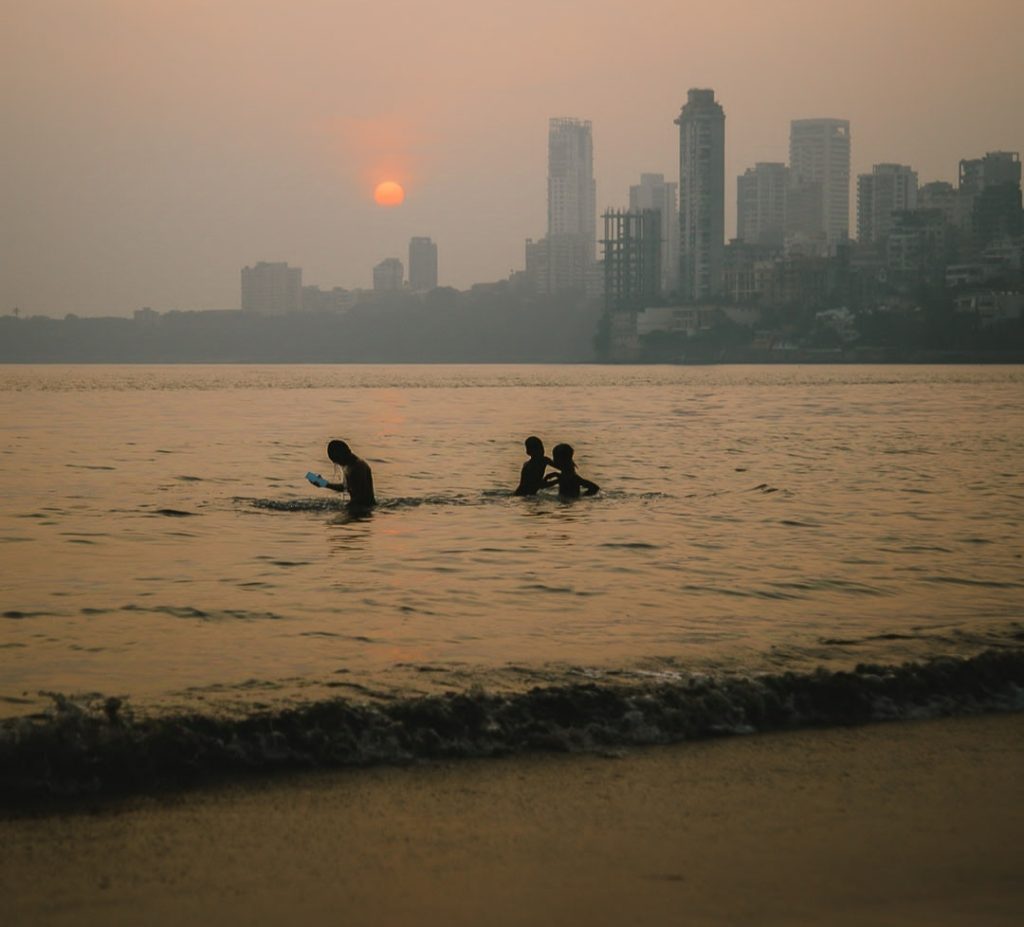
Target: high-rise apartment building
[(888, 189), (761, 204), (271, 288), (388, 275), (996, 168), (943, 196), (701, 195), (572, 192), (572, 205), (819, 164), (939, 195), (654, 193), (990, 190), (422, 264)]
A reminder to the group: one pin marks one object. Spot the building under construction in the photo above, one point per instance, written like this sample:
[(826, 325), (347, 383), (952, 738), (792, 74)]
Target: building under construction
[(632, 258), (632, 275)]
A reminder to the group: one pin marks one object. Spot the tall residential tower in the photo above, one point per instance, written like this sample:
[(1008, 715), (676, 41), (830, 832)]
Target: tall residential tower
[(991, 194), (654, 193), (761, 204), (422, 264), (819, 164), (701, 195), (572, 204), (572, 193), (888, 189)]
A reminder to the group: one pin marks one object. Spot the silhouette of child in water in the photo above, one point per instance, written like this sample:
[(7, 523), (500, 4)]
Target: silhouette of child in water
[(531, 478), (570, 483)]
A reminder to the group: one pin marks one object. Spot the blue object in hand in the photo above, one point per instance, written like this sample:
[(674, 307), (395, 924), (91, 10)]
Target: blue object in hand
[(316, 479)]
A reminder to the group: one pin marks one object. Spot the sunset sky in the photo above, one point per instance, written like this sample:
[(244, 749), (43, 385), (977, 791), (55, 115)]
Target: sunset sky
[(151, 148)]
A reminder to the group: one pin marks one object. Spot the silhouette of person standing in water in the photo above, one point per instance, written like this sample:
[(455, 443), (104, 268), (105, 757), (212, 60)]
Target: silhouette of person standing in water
[(358, 477), (570, 484), (531, 477)]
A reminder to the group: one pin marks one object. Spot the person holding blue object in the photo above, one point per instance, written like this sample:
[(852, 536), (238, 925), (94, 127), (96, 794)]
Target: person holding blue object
[(358, 480)]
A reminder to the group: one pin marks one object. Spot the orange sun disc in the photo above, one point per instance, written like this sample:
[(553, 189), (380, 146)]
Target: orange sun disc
[(389, 193)]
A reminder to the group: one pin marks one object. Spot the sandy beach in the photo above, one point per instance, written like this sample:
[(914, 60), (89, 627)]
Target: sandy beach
[(913, 823)]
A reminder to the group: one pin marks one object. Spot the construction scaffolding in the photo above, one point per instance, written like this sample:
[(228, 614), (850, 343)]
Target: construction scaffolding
[(632, 258)]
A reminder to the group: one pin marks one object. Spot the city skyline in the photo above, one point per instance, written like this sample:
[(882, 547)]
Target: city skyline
[(132, 179)]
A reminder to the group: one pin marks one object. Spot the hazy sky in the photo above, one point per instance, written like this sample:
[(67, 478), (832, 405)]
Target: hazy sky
[(151, 148)]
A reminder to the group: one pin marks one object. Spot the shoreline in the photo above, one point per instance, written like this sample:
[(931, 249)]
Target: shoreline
[(100, 748), (899, 823)]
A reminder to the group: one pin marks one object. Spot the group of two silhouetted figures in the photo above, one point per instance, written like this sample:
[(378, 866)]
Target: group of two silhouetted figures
[(534, 476), (358, 479)]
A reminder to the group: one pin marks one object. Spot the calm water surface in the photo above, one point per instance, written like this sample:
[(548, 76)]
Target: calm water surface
[(159, 541)]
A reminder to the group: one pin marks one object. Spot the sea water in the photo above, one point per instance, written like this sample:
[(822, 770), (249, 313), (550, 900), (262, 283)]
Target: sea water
[(161, 546)]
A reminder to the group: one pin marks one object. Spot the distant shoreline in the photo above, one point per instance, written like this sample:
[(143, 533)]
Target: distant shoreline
[(480, 332), (802, 359)]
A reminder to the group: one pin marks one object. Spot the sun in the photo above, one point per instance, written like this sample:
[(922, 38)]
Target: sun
[(389, 193)]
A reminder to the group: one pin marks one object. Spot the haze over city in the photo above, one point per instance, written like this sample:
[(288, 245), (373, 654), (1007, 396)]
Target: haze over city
[(153, 149), (511, 463)]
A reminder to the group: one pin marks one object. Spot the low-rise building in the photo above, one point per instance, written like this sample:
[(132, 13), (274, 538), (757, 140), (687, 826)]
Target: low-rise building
[(388, 276), (975, 273), (841, 321), (689, 320), (744, 270), (271, 288), (917, 241), (991, 308), (1007, 253), (337, 299)]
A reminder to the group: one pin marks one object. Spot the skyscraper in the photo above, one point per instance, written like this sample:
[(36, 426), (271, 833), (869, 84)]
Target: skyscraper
[(271, 288), (572, 192), (761, 204), (572, 204), (819, 164), (701, 195), (889, 188), (422, 264), (654, 193)]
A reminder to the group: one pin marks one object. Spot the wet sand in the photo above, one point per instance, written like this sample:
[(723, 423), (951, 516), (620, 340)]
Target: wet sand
[(914, 823)]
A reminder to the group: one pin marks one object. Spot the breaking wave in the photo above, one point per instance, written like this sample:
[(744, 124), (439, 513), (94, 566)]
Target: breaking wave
[(98, 746)]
